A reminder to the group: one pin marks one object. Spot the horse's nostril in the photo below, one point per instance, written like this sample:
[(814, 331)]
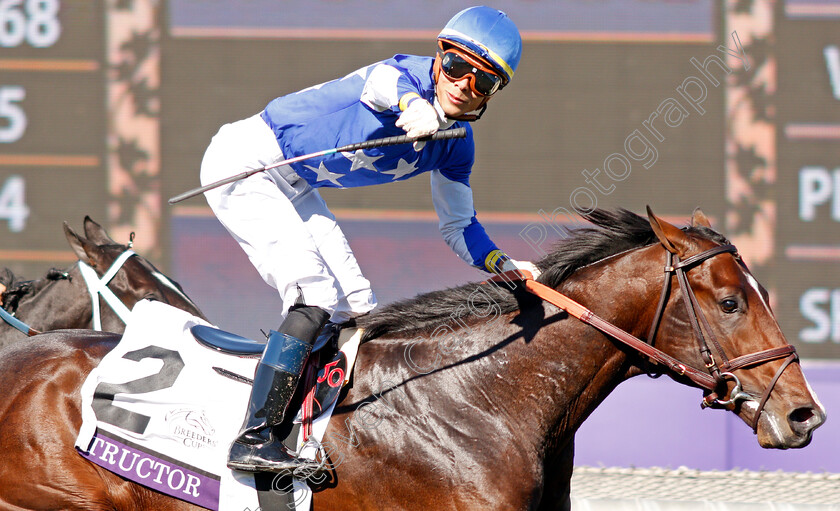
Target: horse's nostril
[(803, 419)]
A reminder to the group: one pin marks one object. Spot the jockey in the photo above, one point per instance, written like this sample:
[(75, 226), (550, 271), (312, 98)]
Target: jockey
[(280, 220)]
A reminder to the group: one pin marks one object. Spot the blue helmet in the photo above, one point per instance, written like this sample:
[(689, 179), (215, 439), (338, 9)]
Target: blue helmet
[(487, 33)]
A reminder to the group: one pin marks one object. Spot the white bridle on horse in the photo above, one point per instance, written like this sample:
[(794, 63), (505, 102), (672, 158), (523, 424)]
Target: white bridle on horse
[(97, 286)]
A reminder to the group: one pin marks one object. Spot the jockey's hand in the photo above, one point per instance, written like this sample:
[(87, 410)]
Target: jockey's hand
[(420, 119), (513, 264)]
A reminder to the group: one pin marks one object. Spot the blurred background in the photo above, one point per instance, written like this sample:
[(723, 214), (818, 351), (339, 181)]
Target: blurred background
[(106, 108)]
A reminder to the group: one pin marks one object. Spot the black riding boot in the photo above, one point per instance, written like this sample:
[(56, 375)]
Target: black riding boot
[(256, 449)]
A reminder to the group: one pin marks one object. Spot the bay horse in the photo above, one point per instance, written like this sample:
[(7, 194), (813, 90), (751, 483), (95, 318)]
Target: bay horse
[(62, 298), (467, 398)]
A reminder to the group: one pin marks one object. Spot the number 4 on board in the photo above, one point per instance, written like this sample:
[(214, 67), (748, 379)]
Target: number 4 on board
[(13, 203)]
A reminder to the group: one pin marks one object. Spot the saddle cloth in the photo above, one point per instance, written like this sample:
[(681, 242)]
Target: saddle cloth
[(158, 412)]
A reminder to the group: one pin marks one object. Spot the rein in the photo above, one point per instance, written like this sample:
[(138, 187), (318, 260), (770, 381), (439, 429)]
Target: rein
[(16, 323), (717, 375), (724, 372), (97, 287)]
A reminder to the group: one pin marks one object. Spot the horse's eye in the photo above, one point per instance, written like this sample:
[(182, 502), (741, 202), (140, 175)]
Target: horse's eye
[(729, 306)]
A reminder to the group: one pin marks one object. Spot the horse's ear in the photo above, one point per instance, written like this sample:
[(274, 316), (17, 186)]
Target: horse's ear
[(699, 219), (669, 235), (96, 233), (82, 247)]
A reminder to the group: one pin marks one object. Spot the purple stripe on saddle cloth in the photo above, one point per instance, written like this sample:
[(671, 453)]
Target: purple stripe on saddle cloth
[(154, 470)]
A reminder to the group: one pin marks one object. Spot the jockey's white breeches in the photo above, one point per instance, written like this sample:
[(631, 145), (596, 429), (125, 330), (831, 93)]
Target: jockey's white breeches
[(282, 223)]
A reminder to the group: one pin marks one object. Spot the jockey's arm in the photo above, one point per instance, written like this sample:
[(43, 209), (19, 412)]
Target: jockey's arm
[(463, 233), (392, 87)]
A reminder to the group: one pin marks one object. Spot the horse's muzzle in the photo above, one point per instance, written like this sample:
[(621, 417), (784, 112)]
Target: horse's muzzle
[(791, 431)]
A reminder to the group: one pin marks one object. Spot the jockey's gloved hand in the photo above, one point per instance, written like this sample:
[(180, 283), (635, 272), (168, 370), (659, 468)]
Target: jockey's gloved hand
[(420, 119), (513, 264)]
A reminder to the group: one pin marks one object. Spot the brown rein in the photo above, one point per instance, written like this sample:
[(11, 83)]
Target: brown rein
[(717, 375)]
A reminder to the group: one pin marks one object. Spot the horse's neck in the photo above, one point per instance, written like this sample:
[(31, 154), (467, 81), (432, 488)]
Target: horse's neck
[(529, 377), (569, 367), (59, 304)]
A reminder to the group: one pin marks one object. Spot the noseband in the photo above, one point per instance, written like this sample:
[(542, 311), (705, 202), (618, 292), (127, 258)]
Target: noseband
[(718, 373), (16, 323)]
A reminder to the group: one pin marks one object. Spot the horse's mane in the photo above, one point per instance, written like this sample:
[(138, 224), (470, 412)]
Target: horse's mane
[(612, 232), (17, 288)]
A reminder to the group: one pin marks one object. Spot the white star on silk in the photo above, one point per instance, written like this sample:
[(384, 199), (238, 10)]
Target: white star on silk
[(363, 72), (403, 169), (324, 174), (361, 160)]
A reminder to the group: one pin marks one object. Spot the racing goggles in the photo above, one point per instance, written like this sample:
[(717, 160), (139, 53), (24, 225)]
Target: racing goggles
[(482, 79)]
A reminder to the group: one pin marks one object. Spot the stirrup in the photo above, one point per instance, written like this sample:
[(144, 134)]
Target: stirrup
[(295, 466)]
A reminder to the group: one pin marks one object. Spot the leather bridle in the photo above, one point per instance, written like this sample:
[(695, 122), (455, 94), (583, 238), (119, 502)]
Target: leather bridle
[(99, 287), (718, 372)]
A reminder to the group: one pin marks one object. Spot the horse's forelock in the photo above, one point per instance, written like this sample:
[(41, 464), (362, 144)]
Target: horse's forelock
[(707, 233)]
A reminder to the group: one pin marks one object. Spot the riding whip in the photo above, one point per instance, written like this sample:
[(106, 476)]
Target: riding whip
[(369, 144)]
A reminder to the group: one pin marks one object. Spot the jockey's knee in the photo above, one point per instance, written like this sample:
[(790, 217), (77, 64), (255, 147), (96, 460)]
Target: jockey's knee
[(354, 304), (304, 322)]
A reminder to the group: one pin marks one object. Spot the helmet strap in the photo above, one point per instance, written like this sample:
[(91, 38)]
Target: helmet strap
[(472, 117)]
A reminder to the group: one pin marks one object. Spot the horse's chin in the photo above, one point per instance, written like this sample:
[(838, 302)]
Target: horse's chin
[(774, 434), (790, 429)]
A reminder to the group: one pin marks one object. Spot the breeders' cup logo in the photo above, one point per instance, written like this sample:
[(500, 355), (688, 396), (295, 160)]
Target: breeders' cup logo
[(191, 427)]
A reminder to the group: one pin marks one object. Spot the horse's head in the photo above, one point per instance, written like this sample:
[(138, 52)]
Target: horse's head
[(135, 279), (723, 322)]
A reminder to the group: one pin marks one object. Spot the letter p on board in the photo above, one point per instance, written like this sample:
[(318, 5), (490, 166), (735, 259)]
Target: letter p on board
[(818, 186)]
